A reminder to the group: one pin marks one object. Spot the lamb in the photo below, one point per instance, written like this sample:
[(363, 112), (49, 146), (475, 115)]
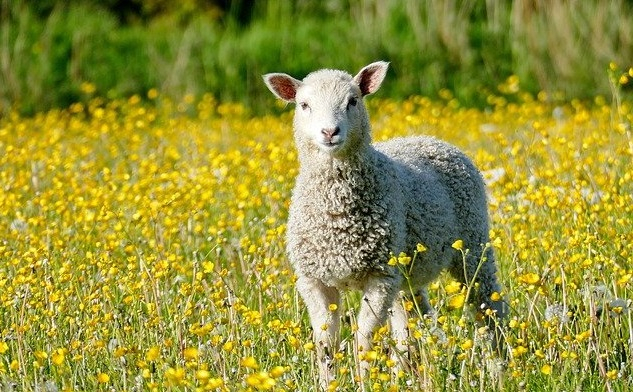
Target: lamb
[(355, 204)]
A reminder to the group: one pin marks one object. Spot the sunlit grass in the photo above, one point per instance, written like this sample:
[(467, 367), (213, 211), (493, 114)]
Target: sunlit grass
[(142, 248)]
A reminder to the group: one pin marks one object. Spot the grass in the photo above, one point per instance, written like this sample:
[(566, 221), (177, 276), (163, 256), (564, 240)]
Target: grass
[(48, 51), (143, 248)]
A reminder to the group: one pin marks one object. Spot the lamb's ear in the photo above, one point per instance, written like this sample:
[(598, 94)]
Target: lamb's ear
[(282, 85), (370, 78)]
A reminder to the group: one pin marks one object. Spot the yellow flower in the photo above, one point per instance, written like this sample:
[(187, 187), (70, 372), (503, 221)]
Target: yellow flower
[(519, 351), (191, 353), (228, 346), (249, 362), (583, 336), (624, 279), (208, 267), (546, 369), (152, 93), (457, 301), (103, 378), (175, 376), (495, 296), (529, 278), (277, 371), (453, 287), (420, 248), (332, 307), (260, 381), (152, 354), (459, 245), (58, 356), (119, 352), (3, 347), (370, 356), (214, 383), (403, 259), (203, 375), (88, 88), (40, 354)]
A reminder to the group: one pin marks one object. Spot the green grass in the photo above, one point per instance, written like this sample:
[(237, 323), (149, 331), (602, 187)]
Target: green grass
[(469, 48)]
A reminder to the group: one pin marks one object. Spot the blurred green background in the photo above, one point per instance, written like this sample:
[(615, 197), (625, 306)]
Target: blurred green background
[(54, 53)]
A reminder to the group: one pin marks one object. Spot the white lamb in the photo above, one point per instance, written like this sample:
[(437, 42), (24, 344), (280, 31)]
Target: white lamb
[(355, 204)]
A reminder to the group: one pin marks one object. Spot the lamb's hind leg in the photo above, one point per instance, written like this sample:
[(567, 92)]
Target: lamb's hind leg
[(325, 323), (478, 266)]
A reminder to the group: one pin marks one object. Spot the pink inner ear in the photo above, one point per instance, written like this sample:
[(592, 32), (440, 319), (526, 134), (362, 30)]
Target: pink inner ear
[(284, 87), (367, 83), (370, 78)]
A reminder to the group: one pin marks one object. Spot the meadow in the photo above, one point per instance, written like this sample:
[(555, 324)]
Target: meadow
[(142, 248)]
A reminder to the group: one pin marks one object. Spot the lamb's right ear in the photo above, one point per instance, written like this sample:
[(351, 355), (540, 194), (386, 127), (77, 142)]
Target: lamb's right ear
[(282, 85), (370, 77)]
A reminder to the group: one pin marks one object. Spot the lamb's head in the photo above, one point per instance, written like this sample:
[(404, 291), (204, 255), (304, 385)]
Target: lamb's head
[(330, 115)]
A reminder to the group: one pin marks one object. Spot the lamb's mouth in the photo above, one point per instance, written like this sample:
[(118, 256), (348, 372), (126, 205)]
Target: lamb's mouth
[(330, 146)]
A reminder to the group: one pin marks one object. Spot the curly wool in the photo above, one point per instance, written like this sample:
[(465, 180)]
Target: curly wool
[(459, 181), (345, 219), (348, 217)]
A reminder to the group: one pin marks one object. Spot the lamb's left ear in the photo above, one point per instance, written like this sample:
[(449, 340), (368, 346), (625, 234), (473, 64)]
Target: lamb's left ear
[(282, 85), (370, 77)]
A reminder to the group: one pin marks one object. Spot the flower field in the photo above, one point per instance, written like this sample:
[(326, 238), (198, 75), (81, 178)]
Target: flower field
[(142, 248)]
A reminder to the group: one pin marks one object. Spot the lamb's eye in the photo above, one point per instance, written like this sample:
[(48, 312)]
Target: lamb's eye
[(352, 102), (304, 105)]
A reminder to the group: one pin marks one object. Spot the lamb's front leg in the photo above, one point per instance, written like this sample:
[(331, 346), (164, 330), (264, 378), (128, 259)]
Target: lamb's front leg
[(325, 322), (379, 294), (399, 322)]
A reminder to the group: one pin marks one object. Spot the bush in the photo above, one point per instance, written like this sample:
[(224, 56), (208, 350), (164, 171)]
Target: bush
[(50, 49)]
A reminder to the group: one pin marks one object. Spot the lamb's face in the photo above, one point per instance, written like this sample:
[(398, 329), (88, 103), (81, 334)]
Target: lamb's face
[(330, 114)]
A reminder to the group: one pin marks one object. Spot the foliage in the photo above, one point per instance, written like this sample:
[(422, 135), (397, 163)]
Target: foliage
[(143, 248), (50, 48)]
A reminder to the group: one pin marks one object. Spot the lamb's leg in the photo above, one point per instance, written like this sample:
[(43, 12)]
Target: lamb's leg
[(325, 323), (422, 296), (399, 320), (479, 266), (378, 296), (488, 285)]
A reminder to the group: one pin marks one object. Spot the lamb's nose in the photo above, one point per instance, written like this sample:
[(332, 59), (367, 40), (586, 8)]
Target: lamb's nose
[(329, 133)]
